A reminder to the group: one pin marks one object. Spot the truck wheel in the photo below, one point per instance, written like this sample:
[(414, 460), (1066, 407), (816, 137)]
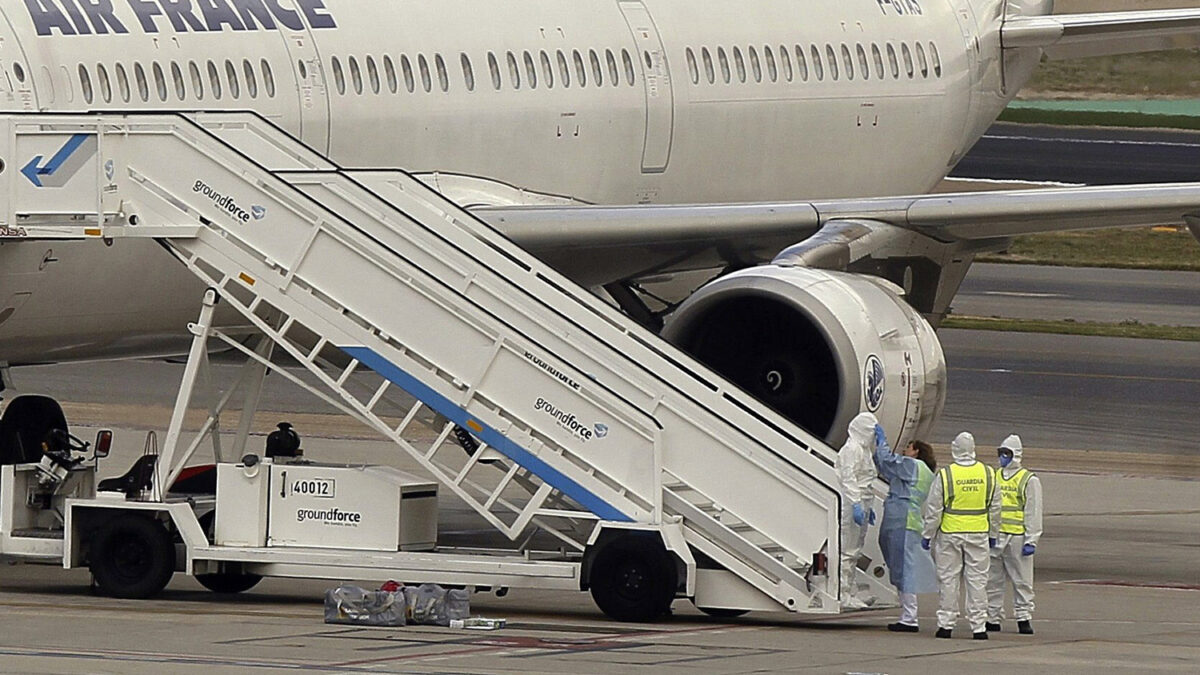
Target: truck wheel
[(228, 582), (132, 557), (633, 579)]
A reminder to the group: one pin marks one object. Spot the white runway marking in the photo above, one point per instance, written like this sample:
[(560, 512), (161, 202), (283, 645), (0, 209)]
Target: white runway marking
[(1018, 294), (1093, 141)]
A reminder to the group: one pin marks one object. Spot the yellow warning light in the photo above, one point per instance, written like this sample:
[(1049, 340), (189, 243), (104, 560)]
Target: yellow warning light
[(249, 280), (475, 426), (92, 232)]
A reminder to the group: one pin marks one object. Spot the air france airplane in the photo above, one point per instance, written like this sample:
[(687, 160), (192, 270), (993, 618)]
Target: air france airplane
[(619, 140)]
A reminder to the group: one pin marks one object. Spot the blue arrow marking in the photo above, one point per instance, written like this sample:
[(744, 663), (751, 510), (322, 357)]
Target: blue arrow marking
[(64, 164)]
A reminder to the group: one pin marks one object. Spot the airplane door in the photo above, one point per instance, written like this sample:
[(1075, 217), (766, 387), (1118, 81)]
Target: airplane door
[(660, 105), (16, 83), (310, 83)]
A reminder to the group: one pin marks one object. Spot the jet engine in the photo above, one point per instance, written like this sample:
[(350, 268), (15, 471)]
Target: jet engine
[(819, 347)]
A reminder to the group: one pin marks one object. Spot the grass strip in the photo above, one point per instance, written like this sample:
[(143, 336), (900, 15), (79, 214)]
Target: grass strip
[(1130, 248), (1099, 118), (1129, 329)]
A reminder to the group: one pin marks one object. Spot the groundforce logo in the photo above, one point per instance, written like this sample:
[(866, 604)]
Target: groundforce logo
[(228, 205), (334, 516), (563, 377), (568, 421)]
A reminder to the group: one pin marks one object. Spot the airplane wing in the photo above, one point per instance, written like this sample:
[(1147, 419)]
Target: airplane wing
[(1070, 36), (600, 244)]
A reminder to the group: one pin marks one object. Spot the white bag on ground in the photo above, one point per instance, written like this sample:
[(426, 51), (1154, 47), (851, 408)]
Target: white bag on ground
[(432, 605), (352, 605)]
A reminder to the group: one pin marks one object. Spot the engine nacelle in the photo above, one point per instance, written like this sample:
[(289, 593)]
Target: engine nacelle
[(819, 347)]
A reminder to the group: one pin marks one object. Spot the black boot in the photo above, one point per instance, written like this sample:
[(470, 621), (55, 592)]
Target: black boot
[(981, 635), (993, 627), (1025, 627), (943, 633), (903, 628)]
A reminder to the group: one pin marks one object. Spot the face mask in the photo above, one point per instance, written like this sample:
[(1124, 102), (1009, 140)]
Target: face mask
[(1005, 460)]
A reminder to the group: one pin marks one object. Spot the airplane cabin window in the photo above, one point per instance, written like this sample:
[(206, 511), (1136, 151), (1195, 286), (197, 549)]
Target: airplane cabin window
[(123, 83), (755, 65), (937, 60), (468, 72), (613, 76), (564, 70), (802, 63), (769, 57), (406, 67), (85, 84), (785, 60), (708, 65), (339, 77), (597, 71), (251, 80), (231, 73), (892, 62), (580, 70), (547, 69), (921, 60), (103, 81), (139, 75), (693, 69), (740, 64), (495, 69), (818, 67), (423, 68), (530, 71), (877, 57), (862, 61), (514, 71), (389, 71), (18, 72), (214, 80), (630, 77), (831, 62), (177, 80), (724, 61), (302, 69), (197, 80), (268, 78), (160, 81), (442, 73), (847, 62), (355, 74), (372, 74), (908, 60)]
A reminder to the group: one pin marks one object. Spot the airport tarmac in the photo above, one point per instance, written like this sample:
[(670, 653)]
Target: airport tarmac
[(1118, 584)]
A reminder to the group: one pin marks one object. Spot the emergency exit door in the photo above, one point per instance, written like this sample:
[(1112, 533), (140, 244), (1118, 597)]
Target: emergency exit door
[(656, 79), (311, 88)]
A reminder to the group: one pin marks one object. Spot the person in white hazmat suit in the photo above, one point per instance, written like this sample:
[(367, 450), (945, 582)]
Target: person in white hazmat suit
[(962, 519), (1020, 530), (856, 471)]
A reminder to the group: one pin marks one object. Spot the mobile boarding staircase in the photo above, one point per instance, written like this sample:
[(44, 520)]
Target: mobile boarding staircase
[(579, 424)]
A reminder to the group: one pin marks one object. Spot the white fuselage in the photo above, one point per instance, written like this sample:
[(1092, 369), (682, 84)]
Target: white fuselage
[(651, 101)]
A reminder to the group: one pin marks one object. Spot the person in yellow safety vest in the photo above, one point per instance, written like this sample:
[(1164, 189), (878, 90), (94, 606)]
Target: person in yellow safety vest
[(962, 520), (856, 472), (1020, 530)]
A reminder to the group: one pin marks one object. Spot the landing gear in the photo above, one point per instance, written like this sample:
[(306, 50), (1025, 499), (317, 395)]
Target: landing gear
[(132, 556), (633, 579)]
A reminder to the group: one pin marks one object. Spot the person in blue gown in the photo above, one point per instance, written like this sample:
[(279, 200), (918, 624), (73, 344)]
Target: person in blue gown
[(909, 474)]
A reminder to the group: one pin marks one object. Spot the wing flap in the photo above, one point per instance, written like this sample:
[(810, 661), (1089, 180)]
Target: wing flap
[(1068, 36)]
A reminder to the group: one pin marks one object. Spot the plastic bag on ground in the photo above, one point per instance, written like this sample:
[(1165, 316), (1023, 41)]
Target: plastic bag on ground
[(355, 606), (432, 605)]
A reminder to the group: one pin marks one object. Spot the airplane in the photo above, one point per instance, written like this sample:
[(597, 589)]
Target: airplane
[(787, 146)]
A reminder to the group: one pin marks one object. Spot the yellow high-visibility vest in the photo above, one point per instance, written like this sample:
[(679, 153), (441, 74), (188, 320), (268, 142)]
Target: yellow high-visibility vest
[(966, 492), (1012, 509)]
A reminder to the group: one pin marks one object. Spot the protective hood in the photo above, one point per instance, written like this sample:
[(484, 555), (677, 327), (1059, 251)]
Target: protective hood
[(862, 430), (962, 448), (1013, 442)]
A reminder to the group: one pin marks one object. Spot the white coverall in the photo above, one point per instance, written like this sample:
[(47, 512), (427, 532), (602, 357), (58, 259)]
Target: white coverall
[(1006, 559), (960, 555), (856, 471)]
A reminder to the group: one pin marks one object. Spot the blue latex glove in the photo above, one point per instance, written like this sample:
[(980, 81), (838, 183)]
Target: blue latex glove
[(925, 544), (992, 542), (1028, 549), (860, 516), (871, 520), (880, 438)]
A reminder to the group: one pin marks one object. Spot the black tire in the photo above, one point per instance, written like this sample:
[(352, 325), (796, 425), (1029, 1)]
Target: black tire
[(132, 557), (723, 613), (633, 579), (228, 582)]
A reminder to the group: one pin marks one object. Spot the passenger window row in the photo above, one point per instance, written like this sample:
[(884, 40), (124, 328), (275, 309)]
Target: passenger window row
[(167, 82), (515, 70), (799, 63)]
